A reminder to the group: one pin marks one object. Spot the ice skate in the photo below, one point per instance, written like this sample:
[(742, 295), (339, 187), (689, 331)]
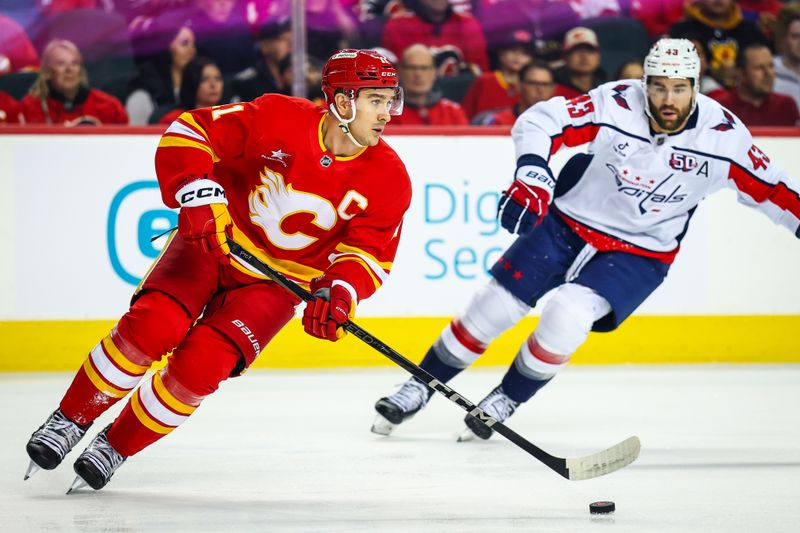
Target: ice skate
[(96, 464), (53, 440), (400, 406), (498, 406)]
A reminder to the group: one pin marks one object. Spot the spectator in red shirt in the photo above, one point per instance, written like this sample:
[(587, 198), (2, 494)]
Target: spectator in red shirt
[(752, 100), (201, 86), (535, 85), (581, 71), (657, 16), (423, 105), (9, 110), (61, 94), (16, 50), (500, 88), (435, 24)]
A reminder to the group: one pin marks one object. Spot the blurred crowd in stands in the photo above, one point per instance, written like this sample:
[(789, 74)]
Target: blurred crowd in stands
[(481, 62)]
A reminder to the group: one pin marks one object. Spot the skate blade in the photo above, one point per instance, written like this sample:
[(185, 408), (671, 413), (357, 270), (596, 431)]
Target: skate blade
[(381, 426), (78, 484), (32, 469), (466, 435)]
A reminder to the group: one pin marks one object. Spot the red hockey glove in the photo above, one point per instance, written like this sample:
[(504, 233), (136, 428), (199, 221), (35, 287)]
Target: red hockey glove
[(333, 306), (204, 219), (526, 201)]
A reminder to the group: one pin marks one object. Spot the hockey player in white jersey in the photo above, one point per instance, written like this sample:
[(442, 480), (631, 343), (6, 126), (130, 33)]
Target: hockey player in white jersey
[(656, 148)]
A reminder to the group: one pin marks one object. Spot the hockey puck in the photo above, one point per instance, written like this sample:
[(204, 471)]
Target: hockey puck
[(602, 507)]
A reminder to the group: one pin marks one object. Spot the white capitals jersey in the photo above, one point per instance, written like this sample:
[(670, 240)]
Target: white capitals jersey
[(640, 189)]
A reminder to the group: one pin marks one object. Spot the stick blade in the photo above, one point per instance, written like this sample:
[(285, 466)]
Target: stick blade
[(602, 463)]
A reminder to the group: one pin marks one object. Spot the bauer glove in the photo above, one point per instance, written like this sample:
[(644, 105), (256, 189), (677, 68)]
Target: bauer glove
[(525, 203)]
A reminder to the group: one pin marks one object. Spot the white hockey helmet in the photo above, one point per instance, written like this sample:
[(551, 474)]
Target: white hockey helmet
[(673, 58)]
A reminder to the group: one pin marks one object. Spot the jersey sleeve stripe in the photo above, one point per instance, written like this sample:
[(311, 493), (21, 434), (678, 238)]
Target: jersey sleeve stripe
[(385, 265), (369, 263), (179, 128), (574, 136), (182, 142), (376, 281), (779, 194), (189, 120)]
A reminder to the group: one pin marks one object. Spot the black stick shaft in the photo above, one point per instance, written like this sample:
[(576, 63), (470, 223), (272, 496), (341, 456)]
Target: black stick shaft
[(556, 464)]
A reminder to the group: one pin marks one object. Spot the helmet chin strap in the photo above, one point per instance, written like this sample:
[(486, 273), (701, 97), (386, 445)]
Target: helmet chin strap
[(343, 123)]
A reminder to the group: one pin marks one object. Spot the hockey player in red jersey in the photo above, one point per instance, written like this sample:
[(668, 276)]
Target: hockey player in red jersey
[(313, 192)]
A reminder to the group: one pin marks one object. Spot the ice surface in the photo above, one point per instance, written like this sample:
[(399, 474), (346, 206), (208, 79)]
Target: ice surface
[(292, 451)]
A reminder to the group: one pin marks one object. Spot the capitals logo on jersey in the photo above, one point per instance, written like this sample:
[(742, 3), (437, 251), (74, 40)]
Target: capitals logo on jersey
[(619, 95), (727, 124), (646, 189)]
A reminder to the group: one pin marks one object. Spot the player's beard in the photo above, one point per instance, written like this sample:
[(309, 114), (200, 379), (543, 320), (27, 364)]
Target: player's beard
[(669, 125)]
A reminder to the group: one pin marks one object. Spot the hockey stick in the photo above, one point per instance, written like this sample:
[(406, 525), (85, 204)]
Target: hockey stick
[(590, 466)]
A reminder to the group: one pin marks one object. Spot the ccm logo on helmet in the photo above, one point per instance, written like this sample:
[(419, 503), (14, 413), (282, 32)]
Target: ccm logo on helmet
[(202, 193)]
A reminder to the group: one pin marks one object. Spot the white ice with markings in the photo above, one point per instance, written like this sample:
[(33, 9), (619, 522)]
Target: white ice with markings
[(292, 451)]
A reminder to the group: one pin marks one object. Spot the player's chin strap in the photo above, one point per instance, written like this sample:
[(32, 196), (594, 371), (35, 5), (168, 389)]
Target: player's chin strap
[(343, 123)]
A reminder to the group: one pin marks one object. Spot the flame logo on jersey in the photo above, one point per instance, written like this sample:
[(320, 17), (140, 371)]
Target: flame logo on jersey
[(273, 202)]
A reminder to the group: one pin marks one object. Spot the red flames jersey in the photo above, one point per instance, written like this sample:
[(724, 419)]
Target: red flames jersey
[(295, 205)]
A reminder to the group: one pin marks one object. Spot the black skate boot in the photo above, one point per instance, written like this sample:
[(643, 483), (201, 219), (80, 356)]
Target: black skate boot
[(498, 406), (96, 464), (402, 405), (50, 443)]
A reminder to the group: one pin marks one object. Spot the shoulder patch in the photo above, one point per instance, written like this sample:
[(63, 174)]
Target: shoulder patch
[(727, 124), (619, 95)]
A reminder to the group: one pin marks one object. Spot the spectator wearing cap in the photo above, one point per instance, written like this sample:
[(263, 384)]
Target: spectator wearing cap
[(787, 64), (500, 88), (719, 26), (422, 104), (61, 94), (201, 86), (274, 44), (581, 71), (158, 83), (435, 24), (9, 110), (535, 85), (16, 50), (753, 99)]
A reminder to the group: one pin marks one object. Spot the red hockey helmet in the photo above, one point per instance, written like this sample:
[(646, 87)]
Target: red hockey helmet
[(351, 70)]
